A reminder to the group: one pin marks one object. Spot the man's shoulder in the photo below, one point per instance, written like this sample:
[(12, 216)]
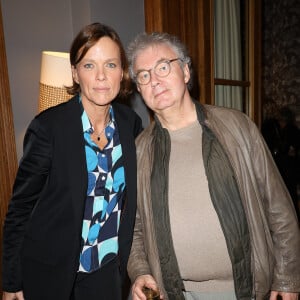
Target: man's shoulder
[(145, 134), (215, 110), (224, 115)]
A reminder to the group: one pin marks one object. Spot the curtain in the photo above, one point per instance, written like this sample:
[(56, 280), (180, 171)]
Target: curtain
[(228, 53)]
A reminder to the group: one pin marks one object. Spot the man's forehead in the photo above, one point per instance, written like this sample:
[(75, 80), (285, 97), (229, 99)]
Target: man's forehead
[(157, 49), (154, 54)]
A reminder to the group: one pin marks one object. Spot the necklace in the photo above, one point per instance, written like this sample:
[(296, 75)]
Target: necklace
[(100, 133)]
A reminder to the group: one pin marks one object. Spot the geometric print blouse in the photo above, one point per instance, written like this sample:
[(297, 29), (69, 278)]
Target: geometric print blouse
[(106, 185)]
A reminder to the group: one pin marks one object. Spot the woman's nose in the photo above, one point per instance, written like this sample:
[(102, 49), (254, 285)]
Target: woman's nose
[(100, 73)]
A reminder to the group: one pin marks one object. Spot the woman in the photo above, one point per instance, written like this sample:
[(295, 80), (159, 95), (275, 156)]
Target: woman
[(69, 226)]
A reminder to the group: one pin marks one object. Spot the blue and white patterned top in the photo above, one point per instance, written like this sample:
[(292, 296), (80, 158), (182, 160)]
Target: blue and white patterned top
[(106, 185)]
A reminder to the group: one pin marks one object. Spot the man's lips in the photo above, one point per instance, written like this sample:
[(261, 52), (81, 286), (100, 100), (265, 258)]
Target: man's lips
[(159, 93)]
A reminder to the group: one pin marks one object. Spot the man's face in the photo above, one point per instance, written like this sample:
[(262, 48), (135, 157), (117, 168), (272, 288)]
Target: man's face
[(162, 93)]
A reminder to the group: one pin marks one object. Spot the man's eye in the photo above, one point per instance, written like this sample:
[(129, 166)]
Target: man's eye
[(163, 67), (143, 76)]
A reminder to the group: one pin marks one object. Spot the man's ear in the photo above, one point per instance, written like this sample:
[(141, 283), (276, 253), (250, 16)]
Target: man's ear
[(186, 73)]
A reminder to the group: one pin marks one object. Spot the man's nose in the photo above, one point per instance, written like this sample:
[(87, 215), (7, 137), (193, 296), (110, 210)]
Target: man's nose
[(154, 79)]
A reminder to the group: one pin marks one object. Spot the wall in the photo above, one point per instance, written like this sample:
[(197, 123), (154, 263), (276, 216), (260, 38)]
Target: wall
[(281, 59), (33, 25)]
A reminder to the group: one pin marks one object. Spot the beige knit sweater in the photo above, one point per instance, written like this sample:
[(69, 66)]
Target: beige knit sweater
[(198, 239)]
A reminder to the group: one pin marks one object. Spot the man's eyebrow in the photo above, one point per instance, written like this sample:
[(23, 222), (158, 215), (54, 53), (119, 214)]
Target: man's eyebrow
[(157, 62)]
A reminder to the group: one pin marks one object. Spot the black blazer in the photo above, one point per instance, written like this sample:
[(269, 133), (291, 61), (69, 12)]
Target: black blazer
[(42, 230)]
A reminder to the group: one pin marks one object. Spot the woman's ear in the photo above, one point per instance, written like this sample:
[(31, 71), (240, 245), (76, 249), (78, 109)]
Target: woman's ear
[(74, 74)]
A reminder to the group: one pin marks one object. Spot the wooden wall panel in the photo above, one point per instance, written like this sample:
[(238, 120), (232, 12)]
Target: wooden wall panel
[(8, 156)]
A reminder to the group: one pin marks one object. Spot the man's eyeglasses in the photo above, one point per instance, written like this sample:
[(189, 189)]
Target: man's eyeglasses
[(161, 69)]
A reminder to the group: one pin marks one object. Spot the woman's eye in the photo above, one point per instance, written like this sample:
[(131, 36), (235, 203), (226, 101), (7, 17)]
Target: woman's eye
[(88, 66), (111, 65)]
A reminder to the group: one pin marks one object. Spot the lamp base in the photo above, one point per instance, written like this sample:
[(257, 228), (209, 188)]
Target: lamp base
[(51, 96)]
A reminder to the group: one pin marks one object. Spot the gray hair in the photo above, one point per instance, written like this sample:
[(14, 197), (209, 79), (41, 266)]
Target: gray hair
[(144, 41)]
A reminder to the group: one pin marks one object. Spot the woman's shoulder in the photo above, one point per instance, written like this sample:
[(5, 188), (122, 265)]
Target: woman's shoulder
[(123, 108), (55, 111), (58, 116), (125, 113)]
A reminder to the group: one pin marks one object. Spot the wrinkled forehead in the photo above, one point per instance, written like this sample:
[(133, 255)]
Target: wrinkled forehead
[(147, 57)]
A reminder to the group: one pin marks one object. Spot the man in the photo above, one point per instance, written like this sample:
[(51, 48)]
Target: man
[(214, 219)]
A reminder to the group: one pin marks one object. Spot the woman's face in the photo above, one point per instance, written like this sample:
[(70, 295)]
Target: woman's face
[(99, 73)]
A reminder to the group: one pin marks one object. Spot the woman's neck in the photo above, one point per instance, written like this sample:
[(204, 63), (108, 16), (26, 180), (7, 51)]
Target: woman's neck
[(98, 115)]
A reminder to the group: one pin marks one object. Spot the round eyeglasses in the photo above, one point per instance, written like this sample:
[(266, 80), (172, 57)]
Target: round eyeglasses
[(161, 69)]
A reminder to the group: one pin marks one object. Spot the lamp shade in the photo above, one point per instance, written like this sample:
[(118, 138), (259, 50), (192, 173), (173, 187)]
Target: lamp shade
[(55, 76)]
